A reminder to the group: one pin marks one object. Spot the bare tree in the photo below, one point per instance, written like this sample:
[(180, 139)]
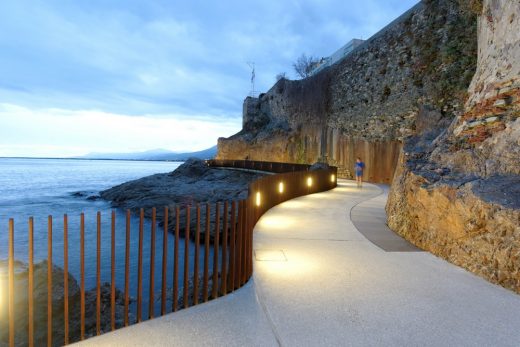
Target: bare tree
[(304, 65), (281, 75)]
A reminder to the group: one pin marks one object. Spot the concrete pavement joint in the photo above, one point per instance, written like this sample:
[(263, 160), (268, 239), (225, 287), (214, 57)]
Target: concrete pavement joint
[(311, 239), (260, 299)]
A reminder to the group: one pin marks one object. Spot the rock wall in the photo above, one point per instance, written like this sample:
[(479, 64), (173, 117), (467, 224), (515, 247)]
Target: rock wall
[(457, 195), (498, 68), (418, 67)]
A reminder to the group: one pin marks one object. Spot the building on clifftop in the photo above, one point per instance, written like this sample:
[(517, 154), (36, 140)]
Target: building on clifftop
[(336, 56)]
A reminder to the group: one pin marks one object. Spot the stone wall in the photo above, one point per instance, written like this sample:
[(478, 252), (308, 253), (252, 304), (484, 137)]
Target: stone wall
[(365, 105), (457, 195)]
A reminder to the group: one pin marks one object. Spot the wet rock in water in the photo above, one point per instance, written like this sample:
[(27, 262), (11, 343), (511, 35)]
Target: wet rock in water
[(88, 195), (58, 294)]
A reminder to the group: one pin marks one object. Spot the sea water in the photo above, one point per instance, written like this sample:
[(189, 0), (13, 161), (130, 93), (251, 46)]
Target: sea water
[(41, 187)]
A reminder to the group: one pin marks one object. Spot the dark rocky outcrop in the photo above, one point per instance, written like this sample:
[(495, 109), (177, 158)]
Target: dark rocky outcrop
[(191, 183)]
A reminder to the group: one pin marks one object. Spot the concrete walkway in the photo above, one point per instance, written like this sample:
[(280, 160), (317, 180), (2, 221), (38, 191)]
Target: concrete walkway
[(319, 282), (369, 218)]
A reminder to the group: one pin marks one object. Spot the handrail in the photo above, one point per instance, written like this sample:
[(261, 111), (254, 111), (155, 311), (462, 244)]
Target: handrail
[(269, 166), (232, 261), (292, 180)]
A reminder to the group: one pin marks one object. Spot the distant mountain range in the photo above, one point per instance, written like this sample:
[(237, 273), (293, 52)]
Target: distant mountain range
[(155, 154)]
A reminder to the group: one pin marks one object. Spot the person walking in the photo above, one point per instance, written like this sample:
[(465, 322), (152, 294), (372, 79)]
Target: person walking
[(359, 167)]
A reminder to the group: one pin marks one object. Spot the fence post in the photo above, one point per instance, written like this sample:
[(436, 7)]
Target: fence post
[(238, 259), (127, 266), (176, 260), (30, 292), (152, 266), (244, 243), (82, 270), (113, 271), (11, 282), (66, 279), (214, 287), (232, 247), (224, 250), (98, 276), (187, 256), (164, 261), (49, 282), (140, 267), (206, 255), (197, 255)]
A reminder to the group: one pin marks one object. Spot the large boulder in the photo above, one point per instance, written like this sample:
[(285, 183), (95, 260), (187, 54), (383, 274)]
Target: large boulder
[(192, 183)]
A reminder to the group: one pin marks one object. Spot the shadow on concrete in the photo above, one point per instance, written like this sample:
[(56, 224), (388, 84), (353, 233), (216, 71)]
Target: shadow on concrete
[(369, 218)]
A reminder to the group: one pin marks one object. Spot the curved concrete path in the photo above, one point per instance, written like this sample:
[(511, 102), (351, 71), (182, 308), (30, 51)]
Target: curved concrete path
[(319, 282), (369, 218)]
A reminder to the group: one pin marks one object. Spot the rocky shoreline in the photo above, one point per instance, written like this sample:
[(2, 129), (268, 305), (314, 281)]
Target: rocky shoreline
[(58, 295), (191, 183), (40, 306)]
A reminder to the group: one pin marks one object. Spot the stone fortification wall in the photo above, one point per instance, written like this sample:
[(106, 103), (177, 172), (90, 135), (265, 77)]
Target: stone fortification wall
[(415, 71)]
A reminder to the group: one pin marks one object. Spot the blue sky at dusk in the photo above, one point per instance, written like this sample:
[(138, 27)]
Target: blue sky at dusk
[(122, 76)]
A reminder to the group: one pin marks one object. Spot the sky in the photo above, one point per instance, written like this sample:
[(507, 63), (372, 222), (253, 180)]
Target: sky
[(131, 75)]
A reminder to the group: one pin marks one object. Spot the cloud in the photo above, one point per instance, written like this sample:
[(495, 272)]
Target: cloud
[(148, 59), (59, 132)]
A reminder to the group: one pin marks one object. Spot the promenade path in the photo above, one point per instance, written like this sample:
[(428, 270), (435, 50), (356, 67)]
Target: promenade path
[(318, 281)]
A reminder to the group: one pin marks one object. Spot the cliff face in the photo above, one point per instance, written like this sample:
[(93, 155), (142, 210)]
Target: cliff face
[(458, 194), (410, 76)]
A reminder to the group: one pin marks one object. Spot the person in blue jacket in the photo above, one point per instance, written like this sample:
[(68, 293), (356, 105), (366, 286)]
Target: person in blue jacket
[(359, 167)]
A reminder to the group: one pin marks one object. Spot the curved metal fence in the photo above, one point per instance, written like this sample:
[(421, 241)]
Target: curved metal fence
[(220, 261)]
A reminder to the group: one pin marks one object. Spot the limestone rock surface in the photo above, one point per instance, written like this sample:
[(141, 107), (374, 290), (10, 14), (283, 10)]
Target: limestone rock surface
[(457, 193)]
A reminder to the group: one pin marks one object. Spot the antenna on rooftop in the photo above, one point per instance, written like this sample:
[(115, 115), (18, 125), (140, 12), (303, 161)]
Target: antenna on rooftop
[(251, 64)]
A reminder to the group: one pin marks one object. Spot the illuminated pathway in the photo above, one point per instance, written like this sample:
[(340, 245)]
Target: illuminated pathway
[(319, 282)]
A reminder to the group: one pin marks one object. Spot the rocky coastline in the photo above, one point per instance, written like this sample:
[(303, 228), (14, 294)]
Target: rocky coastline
[(192, 183), (58, 302)]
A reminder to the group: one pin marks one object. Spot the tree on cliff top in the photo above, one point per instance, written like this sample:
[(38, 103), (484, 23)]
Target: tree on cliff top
[(281, 75), (304, 65)]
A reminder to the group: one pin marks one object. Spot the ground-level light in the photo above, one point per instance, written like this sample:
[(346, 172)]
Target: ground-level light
[(332, 178), (258, 199), (280, 187), (309, 181)]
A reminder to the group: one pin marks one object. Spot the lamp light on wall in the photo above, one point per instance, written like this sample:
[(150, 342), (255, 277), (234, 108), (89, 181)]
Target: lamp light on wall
[(280, 187), (332, 178), (309, 181), (258, 199)]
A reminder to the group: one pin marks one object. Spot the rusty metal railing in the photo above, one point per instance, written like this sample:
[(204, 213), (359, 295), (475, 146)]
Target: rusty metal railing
[(269, 166), (232, 225)]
